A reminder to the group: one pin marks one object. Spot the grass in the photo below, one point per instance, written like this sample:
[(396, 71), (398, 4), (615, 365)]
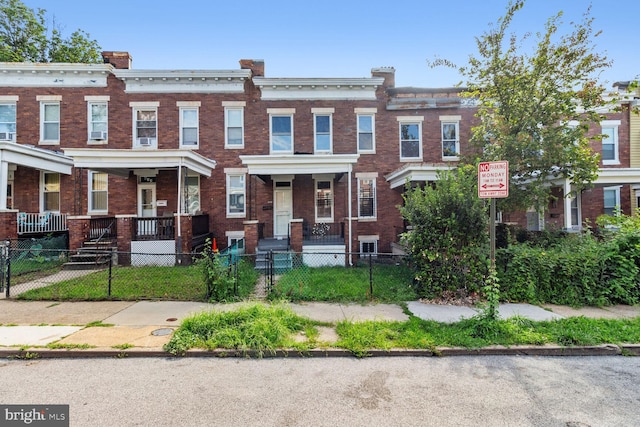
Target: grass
[(139, 283), (265, 328), (391, 283)]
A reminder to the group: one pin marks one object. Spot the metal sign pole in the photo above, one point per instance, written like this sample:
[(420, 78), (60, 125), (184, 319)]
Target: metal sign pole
[(492, 233)]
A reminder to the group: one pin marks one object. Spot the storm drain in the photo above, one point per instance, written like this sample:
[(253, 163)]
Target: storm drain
[(162, 332)]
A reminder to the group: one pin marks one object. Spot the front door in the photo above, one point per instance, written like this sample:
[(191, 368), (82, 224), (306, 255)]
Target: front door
[(283, 208), (146, 207)]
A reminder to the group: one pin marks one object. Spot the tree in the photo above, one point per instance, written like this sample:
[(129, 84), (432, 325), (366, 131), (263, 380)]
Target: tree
[(25, 37), (448, 240), (535, 109)]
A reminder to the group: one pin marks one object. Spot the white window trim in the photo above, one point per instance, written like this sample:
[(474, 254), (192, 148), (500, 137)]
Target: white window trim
[(138, 106), (369, 239), (44, 102), (450, 120), (410, 121), (228, 193), (227, 109), (315, 133), (365, 113), (234, 235), (372, 177), (273, 113), (90, 190), (315, 199), (90, 103), (184, 108), (42, 192), (612, 124), (11, 101), (616, 190), (185, 195)]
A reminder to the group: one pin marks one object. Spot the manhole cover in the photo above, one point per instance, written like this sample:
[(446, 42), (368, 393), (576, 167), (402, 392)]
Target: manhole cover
[(162, 332)]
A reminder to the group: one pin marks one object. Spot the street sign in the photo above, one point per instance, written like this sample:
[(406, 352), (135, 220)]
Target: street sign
[(493, 180)]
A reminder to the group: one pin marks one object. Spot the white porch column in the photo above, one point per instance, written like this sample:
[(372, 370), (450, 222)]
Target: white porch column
[(4, 181), (567, 205)]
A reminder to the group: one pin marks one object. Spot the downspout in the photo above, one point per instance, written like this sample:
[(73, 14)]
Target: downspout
[(179, 228), (350, 214)]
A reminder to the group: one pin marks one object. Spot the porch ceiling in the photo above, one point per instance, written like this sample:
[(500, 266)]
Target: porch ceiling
[(120, 162), (415, 172), (34, 157), (301, 164)]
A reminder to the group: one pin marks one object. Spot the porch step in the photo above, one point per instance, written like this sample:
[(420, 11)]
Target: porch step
[(91, 256), (282, 262)]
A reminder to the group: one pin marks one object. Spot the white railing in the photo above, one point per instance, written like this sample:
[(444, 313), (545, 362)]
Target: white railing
[(46, 222)]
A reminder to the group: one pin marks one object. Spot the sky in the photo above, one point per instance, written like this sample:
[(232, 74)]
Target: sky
[(333, 38)]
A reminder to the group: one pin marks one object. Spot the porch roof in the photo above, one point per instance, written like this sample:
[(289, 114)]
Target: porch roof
[(34, 157), (412, 172), (120, 162), (302, 164)]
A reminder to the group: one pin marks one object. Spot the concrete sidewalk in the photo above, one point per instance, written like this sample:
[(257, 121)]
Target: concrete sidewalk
[(150, 324)]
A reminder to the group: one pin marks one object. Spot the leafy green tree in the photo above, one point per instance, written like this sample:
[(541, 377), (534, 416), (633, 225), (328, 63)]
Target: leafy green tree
[(448, 240), (535, 109), (25, 37)]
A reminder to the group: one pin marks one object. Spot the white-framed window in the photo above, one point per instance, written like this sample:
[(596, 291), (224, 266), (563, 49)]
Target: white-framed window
[(324, 200), (98, 192), (50, 192), (145, 124), (367, 197), (8, 118), (368, 246), (236, 195), (50, 122), (97, 119), (366, 133), (450, 131), (234, 124), (189, 127), (281, 132), (235, 238), (323, 130), (576, 215), (611, 200), (410, 138), (610, 148), (191, 197), (10, 194)]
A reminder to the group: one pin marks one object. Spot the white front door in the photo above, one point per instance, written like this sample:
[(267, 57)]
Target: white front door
[(283, 208), (146, 207)]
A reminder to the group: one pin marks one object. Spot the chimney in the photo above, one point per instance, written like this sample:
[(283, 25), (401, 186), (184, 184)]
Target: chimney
[(255, 65), (117, 59), (389, 74)]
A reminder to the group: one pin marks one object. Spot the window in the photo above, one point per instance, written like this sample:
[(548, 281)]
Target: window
[(8, 122), (368, 246), (611, 200), (50, 192), (97, 121), (234, 127), (575, 212), (450, 139), (145, 124), (191, 194), (366, 197), (235, 195), (366, 139), (324, 201), (235, 238), (322, 128), (10, 194), (188, 127), (98, 191), (50, 122), (410, 140), (610, 142), (281, 134)]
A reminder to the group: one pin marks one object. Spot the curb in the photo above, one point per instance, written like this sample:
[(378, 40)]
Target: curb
[(600, 350)]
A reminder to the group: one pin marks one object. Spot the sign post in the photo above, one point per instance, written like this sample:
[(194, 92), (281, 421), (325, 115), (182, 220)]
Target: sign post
[(493, 182)]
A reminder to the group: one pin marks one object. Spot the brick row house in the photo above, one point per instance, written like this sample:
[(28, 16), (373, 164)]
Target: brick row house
[(168, 156)]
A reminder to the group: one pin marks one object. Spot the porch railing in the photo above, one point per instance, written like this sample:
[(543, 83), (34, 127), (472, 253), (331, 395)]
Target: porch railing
[(46, 222), (154, 228), (323, 233), (103, 229)]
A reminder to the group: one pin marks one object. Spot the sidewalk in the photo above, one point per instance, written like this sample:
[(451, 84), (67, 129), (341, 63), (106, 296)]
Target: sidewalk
[(144, 327)]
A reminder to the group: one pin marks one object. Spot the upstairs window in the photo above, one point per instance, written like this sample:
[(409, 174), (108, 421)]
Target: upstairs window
[(610, 142), (50, 122), (281, 134), (8, 122), (450, 127), (98, 121), (366, 134), (188, 127), (322, 130), (145, 124), (410, 140), (234, 127), (98, 192)]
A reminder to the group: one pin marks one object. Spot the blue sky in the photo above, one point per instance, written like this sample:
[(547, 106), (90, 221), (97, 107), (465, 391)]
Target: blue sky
[(298, 38)]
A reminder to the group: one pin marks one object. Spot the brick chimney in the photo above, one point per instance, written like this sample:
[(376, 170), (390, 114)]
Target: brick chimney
[(255, 65), (117, 59), (388, 73)]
